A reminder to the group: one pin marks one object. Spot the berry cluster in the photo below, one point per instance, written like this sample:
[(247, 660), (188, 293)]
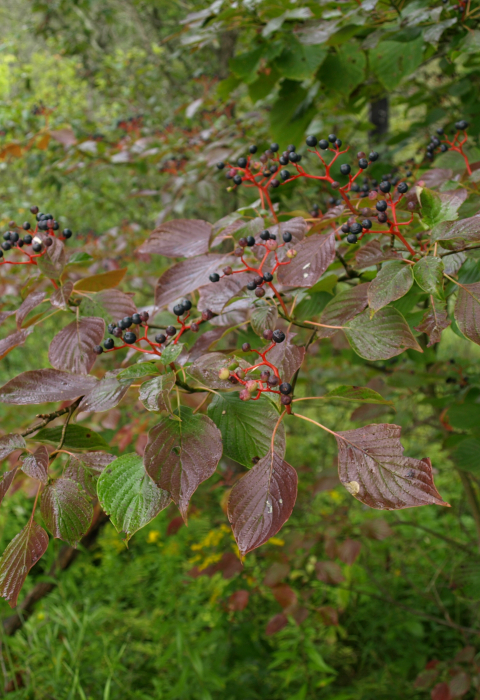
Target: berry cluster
[(441, 143), (139, 323), (267, 381), (13, 241), (271, 245)]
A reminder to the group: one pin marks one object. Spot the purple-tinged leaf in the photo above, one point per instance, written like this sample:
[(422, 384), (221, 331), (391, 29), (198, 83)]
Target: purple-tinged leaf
[(44, 385), (66, 510), (186, 276), (73, 347), (434, 321), (457, 235), (287, 357), (385, 335), (22, 553), (6, 481), (52, 263), (343, 307), (261, 502), (155, 393), (180, 238), (96, 461), (236, 313), (13, 341), (106, 394), (452, 263), (36, 465), (215, 295), (314, 255), (206, 368), (435, 177), (391, 283), (76, 470), (373, 469), (32, 300), (180, 455), (5, 314), (297, 226), (111, 305), (10, 443), (129, 496), (374, 253), (275, 624), (428, 272), (202, 345), (264, 317), (467, 311), (60, 296)]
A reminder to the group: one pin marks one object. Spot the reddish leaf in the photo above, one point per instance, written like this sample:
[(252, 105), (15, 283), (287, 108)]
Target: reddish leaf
[(97, 461), (22, 553), (180, 238), (426, 678), (459, 685), (44, 385), (214, 296), (285, 596), (111, 302), (52, 262), (373, 469), (207, 367), (76, 470), (31, 301), (329, 615), (377, 529), (434, 321), (174, 525), (13, 341), (185, 277), (202, 345), (441, 692), (276, 573), (261, 502), (297, 226), (385, 335), (299, 614), (277, 623), (329, 572), (66, 510), (10, 443), (36, 465), (314, 255), (343, 307), (180, 455), (61, 295), (435, 177), (287, 357), (73, 347), (64, 136), (106, 394), (6, 481), (102, 281), (155, 393), (465, 655), (374, 253), (349, 550), (238, 600), (391, 283), (5, 314), (467, 310), (456, 235)]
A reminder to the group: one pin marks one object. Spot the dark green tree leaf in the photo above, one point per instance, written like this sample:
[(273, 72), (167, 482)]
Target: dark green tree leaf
[(392, 282), (76, 438)]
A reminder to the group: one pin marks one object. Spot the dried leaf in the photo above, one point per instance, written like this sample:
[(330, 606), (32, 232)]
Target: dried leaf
[(372, 467), (392, 282), (343, 307), (31, 301), (385, 335), (314, 255), (261, 502), (276, 573), (100, 282), (180, 238), (434, 321), (180, 455), (60, 296), (73, 347), (44, 385), (129, 496), (185, 277), (285, 596), (64, 136), (36, 465), (22, 553), (66, 510)]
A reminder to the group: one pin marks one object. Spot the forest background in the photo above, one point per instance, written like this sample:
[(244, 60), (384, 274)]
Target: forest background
[(113, 114)]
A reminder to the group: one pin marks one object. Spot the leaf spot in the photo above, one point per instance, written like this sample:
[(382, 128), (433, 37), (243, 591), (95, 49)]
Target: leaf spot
[(352, 487)]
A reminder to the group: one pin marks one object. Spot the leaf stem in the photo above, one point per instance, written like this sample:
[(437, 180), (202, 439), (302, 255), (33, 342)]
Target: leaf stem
[(71, 410)]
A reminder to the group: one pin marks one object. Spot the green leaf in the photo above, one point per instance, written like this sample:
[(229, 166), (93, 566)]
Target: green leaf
[(246, 427), (344, 70), (66, 510), (291, 113), (428, 272), (436, 207), (465, 455), (155, 393), (76, 438), (392, 282), (385, 335), (264, 317), (226, 87), (171, 352), (391, 61), (129, 496), (262, 86), (360, 394), (77, 258), (143, 369), (245, 65), (300, 62)]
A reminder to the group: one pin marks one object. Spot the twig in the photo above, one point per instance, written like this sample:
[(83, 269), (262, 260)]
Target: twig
[(71, 410), (47, 418)]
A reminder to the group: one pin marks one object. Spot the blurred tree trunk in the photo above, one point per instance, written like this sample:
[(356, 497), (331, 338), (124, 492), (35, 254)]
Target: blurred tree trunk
[(379, 114)]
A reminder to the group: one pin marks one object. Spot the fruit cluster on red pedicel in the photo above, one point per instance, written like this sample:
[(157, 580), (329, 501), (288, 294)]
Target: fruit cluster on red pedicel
[(441, 143), (31, 242)]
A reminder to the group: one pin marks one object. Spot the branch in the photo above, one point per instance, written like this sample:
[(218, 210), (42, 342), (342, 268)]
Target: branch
[(47, 418), (452, 252), (454, 543)]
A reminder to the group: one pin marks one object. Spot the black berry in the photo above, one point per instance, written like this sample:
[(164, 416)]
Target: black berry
[(355, 228), (285, 174), (345, 169), (250, 241), (267, 276), (323, 144), (6, 245), (285, 400), (338, 143), (26, 225), (382, 217), (129, 337), (178, 310), (214, 277), (373, 156), (267, 334), (259, 292), (111, 327), (346, 228), (381, 205), (287, 236), (366, 223), (311, 141), (136, 319), (251, 285), (242, 162), (117, 332), (246, 347), (385, 186), (265, 235), (171, 330), (332, 138), (109, 344), (144, 316), (98, 349), (187, 304), (363, 163), (351, 238), (274, 147), (238, 179), (220, 165), (66, 233), (285, 388), (127, 321), (48, 242), (253, 149), (278, 336), (402, 187), (160, 338), (291, 148)]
